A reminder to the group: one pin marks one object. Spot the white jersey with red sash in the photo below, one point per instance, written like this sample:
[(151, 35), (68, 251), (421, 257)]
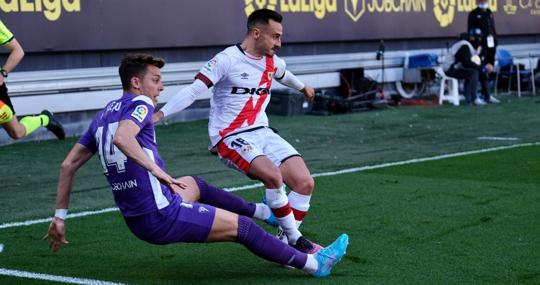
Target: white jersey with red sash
[(241, 90)]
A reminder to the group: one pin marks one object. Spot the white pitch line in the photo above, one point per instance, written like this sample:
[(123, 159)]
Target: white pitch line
[(46, 220), (251, 186), (57, 278), (417, 160), (498, 138)]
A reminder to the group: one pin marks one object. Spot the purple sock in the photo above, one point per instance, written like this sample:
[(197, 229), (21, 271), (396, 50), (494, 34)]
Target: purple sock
[(220, 198), (268, 246)]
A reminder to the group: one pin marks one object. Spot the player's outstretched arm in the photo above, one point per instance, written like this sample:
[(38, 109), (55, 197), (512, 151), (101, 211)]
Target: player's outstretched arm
[(76, 158), (125, 139), (290, 80), (181, 100)]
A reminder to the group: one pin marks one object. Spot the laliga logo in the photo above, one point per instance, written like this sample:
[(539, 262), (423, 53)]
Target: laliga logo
[(444, 11), (510, 8), (352, 9), (250, 5)]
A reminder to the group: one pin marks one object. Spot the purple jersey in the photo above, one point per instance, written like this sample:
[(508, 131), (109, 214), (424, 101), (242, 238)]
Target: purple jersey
[(136, 191)]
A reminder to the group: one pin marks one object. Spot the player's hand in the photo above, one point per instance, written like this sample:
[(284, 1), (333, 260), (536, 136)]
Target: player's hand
[(178, 189), (2, 80), (309, 92), (157, 117), (179, 185), (166, 179), (489, 68), (56, 234)]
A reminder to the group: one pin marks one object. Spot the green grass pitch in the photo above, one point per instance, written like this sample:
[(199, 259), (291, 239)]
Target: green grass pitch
[(472, 219)]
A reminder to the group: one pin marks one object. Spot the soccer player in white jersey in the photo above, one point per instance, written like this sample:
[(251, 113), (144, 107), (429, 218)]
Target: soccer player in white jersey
[(242, 76)]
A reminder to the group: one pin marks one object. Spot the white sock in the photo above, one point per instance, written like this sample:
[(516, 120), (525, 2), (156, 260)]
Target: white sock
[(288, 223), (277, 198), (299, 202), (311, 264), (262, 211)]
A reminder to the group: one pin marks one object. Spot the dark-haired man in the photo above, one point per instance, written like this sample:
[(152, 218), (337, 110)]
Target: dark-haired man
[(242, 76), (158, 208)]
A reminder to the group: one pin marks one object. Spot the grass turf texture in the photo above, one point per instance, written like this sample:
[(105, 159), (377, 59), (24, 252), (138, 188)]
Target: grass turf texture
[(431, 223), (30, 170), (466, 220)]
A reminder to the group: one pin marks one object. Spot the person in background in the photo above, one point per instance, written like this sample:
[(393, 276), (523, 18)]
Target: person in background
[(481, 21), (464, 63), (18, 129)]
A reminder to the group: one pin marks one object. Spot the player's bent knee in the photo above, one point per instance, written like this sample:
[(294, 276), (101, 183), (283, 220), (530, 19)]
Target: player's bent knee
[(274, 179), (266, 171), (16, 133), (306, 186)]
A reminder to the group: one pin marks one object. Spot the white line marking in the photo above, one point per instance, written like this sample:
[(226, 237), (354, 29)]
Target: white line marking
[(46, 220), (48, 277), (251, 186), (498, 138), (417, 160)]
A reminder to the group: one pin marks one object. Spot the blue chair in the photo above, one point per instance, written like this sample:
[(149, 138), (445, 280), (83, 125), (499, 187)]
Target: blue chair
[(505, 66)]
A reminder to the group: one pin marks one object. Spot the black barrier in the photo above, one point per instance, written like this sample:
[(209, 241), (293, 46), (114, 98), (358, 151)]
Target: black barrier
[(75, 25)]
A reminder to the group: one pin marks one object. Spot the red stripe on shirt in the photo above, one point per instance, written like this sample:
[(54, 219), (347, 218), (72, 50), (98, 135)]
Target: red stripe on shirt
[(249, 113)]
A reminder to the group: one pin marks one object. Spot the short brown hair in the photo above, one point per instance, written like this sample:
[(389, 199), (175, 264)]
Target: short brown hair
[(135, 64)]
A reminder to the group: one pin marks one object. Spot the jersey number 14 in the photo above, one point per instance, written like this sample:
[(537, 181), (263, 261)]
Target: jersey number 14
[(109, 154)]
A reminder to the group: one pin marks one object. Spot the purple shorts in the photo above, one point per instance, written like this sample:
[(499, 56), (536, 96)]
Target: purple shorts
[(178, 222)]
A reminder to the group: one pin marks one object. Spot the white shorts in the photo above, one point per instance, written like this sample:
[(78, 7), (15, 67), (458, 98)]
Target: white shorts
[(239, 150)]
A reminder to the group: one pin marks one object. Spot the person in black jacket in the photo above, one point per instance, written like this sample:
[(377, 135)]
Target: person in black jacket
[(465, 63), (482, 22)]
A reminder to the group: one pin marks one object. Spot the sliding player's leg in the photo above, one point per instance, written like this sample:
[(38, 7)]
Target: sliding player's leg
[(228, 226), (199, 190)]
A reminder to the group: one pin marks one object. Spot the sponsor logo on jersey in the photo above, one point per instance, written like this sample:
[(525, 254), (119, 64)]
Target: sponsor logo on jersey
[(244, 75), (124, 185), (252, 91), (211, 64), (140, 113)]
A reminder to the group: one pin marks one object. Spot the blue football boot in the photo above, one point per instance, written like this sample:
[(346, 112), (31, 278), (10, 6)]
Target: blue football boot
[(329, 256)]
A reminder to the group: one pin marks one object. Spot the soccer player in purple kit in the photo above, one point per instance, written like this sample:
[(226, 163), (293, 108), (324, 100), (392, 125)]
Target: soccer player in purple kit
[(158, 208)]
